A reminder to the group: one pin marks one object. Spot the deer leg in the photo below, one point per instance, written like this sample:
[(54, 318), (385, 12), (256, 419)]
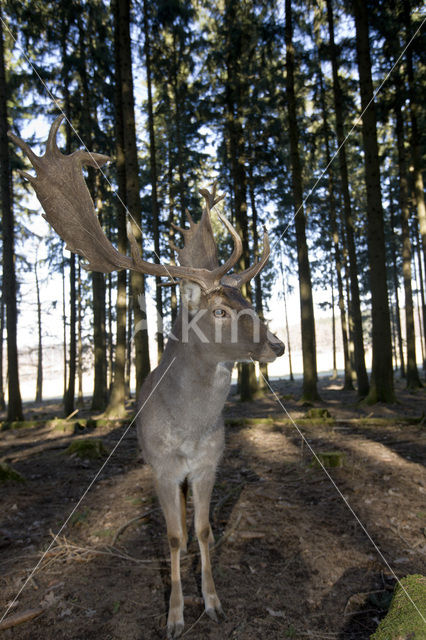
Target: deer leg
[(202, 486), (170, 496), (183, 498)]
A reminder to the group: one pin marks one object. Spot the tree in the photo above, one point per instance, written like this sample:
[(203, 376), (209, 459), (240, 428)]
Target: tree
[(14, 409), (355, 305), (125, 104), (381, 388), (310, 392)]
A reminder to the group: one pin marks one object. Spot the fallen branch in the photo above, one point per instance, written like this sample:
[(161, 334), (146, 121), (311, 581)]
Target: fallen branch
[(130, 522), (19, 618)]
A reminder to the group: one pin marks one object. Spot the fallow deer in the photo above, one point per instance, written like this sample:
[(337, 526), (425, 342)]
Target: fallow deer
[(180, 429)]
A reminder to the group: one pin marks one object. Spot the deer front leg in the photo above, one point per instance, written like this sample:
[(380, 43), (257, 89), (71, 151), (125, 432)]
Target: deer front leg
[(202, 486), (169, 494)]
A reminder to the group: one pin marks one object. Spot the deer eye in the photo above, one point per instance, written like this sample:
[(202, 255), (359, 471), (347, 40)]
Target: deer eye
[(219, 313)]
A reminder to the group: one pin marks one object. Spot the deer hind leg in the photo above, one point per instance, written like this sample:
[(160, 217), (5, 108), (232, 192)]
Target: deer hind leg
[(183, 498), (202, 486), (170, 496)]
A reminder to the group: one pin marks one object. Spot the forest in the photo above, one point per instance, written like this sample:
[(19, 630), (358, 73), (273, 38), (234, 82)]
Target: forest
[(310, 118)]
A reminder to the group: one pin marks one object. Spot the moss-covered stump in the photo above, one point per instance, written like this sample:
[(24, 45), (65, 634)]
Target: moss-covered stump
[(403, 621), (20, 424), (92, 449), (9, 474), (318, 413), (329, 459)]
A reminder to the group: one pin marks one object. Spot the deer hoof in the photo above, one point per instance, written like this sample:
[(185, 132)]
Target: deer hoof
[(174, 630), (215, 612)]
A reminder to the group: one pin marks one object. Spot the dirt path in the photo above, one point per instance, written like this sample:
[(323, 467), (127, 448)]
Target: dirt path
[(291, 559)]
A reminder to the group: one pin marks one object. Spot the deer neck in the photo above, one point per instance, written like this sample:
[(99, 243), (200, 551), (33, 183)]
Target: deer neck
[(199, 371)]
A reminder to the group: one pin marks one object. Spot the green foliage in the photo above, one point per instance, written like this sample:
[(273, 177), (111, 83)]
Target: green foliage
[(403, 621)]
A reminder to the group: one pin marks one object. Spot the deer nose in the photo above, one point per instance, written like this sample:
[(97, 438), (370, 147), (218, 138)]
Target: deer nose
[(277, 346)]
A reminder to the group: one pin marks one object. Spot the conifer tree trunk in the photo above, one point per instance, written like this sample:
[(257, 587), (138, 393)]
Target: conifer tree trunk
[(132, 200), (310, 392), (99, 396), (79, 337), (421, 288), (153, 179), (396, 287), (39, 379), (355, 305), (247, 382), (116, 403), (415, 140), (381, 389), (348, 383), (262, 386), (64, 330), (14, 409), (413, 380), (2, 400), (69, 396), (287, 330)]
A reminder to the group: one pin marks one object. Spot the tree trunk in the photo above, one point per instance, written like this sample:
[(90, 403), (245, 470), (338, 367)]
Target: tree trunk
[(70, 391), (64, 329), (381, 389), (247, 382), (39, 379), (415, 141), (334, 232), (418, 252), (284, 284), (80, 401), (310, 392), (99, 396), (396, 287), (116, 404), (14, 410), (413, 380), (132, 199), (2, 400), (262, 387), (153, 179), (355, 306)]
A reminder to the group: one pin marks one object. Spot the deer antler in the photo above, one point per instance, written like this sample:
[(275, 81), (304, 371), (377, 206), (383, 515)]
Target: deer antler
[(68, 206)]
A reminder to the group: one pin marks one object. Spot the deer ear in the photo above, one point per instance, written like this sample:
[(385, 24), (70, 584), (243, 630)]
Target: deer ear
[(191, 295)]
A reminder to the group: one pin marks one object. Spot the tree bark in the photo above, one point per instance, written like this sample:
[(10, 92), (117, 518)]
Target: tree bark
[(14, 409), (70, 391), (2, 400), (247, 382), (415, 140), (132, 200), (310, 392), (154, 180), (355, 305), (396, 287), (413, 380), (334, 232), (39, 379), (116, 404), (381, 389)]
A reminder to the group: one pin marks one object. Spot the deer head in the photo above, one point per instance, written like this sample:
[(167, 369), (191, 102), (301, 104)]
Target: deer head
[(226, 323)]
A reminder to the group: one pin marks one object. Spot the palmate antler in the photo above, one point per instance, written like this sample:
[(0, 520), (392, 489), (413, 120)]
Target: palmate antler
[(68, 206)]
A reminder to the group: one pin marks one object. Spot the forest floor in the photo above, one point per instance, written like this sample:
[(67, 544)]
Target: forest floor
[(290, 561)]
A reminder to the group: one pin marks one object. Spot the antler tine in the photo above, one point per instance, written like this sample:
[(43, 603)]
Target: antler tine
[(32, 157), (251, 272), (237, 251), (51, 145)]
